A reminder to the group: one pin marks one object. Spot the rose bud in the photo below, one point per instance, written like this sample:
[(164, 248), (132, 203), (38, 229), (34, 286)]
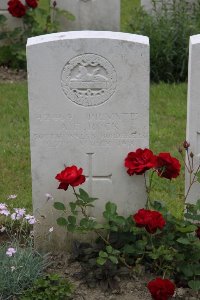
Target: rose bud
[(191, 154), (186, 145)]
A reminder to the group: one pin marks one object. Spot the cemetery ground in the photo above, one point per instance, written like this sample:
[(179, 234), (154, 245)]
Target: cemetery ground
[(167, 131)]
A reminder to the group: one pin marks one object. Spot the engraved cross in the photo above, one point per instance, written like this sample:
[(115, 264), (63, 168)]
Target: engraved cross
[(91, 177)]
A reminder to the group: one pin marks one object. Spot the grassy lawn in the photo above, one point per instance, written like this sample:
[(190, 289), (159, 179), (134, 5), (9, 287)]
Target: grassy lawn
[(14, 137), (167, 131)]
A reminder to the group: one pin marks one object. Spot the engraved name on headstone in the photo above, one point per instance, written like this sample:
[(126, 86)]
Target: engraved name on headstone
[(89, 106)]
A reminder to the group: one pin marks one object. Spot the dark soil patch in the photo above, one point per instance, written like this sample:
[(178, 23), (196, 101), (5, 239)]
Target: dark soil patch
[(130, 287), (10, 75)]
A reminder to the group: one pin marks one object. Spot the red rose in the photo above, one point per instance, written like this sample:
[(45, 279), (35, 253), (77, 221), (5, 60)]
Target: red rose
[(156, 222), (70, 176), (142, 217), (161, 289), (167, 166), (149, 219), (140, 161), (32, 3), (16, 8)]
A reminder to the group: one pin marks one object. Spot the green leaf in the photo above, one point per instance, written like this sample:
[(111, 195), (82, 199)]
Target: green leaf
[(59, 206), (98, 226), (119, 220), (2, 19), (115, 252), (62, 221), (186, 229), (196, 269), (72, 220), (198, 204), (197, 176), (84, 222), (192, 216), (103, 254), (73, 208), (71, 227), (194, 285), (111, 208), (129, 249), (113, 259), (109, 249), (83, 194), (101, 261), (183, 241)]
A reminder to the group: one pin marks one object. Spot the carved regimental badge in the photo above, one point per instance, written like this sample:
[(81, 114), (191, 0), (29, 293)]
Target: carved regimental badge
[(89, 80)]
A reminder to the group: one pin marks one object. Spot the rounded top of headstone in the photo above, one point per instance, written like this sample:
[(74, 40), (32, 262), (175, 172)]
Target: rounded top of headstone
[(87, 34), (195, 39)]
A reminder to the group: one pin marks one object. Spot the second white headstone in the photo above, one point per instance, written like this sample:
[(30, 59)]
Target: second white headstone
[(193, 113), (90, 14)]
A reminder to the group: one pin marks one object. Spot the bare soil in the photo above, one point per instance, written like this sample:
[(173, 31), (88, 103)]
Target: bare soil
[(130, 288), (10, 75)]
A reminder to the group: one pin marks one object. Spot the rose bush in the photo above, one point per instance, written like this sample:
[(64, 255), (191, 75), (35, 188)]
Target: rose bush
[(151, 237), (35, 21)]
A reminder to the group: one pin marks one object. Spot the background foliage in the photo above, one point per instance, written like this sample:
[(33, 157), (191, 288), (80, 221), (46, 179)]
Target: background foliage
[(168, 29)]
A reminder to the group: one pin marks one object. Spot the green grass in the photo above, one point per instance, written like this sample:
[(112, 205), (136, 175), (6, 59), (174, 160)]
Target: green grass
[(127, 6), (167, 131), (14, 137)]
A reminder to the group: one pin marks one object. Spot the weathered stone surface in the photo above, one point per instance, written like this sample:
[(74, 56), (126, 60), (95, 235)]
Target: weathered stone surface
[(3, 4), (89, 106), (91, 14), (193, 111)]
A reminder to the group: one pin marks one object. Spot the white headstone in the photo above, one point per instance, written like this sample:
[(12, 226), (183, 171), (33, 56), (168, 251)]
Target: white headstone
[(91, 14), (193, 111), (89, 107)]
